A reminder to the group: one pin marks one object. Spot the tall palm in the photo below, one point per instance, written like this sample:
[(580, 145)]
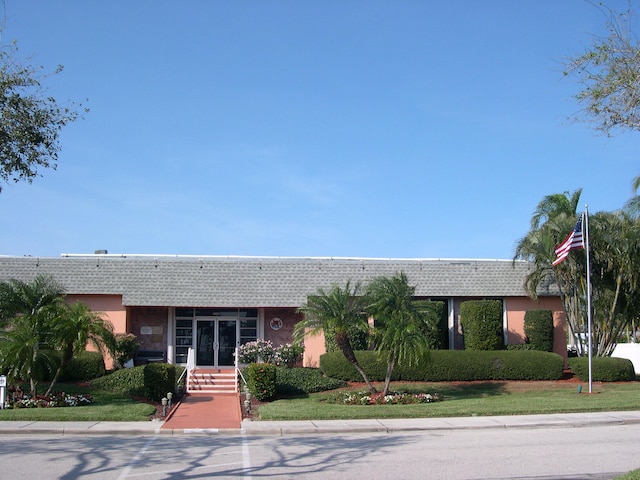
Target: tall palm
[(27, 312), (78, 327), (339, 310), (401, 322), (554, 206), (554, 217), (19, 298)]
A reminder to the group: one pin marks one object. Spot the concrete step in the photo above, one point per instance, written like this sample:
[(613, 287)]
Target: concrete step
[(212, 381)]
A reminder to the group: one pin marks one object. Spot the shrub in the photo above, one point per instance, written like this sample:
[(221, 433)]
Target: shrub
[(604, 369), (263, 351), (288, 354), (482, 324), (335, 365), (359, 340), (127, 381), (126, 347), (159, 379), (538, 329), (262, 380), (451, 366), (256, 351), (297, 381), (83, 367), (438, 336)]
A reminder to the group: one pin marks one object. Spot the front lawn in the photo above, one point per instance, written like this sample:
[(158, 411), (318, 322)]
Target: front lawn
[(106, 406), (464, 399)]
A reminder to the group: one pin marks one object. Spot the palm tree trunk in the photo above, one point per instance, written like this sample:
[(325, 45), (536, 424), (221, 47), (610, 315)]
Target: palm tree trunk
[(387, 380), (66, 358), (342, 340)]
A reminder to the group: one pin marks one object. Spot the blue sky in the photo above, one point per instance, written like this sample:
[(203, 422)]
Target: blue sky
[(326, 128)]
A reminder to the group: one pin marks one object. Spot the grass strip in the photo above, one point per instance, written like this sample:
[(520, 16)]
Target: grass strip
[(464, 399), (106, 407)]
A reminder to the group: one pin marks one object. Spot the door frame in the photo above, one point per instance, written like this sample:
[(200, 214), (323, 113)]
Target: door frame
[(215, 341)]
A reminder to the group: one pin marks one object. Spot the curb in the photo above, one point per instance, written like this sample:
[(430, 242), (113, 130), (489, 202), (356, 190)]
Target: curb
[(318, 427)]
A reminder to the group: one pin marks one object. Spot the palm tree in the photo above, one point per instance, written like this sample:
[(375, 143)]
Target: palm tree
[(76, 328), (27, 311), (554, 217), (340, 310), (401, 323), (615, 254), (555, 206)]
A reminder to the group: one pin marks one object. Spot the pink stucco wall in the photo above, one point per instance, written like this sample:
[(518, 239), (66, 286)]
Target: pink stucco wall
[(109, 305), (516, 308), (112, 310), (313, 348)]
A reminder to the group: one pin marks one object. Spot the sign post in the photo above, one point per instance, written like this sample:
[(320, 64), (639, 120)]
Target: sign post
[(3, 388)]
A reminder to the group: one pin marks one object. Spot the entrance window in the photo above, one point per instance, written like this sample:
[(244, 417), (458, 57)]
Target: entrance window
[(214, 333)]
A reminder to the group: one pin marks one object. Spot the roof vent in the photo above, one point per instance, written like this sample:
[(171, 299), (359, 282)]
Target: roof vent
[(100, 252)]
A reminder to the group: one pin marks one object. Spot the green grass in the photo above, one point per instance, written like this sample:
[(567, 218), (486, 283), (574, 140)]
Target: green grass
[(460, 399), (107, 406), (465, 399), (632, 475)]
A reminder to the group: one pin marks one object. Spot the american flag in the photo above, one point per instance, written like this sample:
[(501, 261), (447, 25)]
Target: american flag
[(573, 241)]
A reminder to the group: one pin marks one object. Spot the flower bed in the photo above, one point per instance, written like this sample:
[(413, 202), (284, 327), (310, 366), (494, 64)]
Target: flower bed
[(392, 398), (56, 399)]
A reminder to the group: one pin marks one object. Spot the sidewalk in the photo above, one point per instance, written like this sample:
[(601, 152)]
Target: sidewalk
[(257, 428)]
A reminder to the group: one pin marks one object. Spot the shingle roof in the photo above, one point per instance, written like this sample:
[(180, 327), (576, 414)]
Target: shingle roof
[(260, 281)]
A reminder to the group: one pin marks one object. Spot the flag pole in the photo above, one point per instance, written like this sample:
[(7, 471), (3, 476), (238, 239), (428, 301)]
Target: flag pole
[(589, 333)]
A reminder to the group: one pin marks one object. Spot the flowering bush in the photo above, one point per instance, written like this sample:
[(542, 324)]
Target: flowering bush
[(56, 399), (392, 398), (288, 354), (263, 351), (258, 351)]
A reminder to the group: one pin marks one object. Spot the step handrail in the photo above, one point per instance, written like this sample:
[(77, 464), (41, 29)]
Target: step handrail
[(191, 365), (238, 370)]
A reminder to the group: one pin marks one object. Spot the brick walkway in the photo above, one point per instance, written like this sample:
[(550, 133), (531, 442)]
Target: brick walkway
[(206, 411)]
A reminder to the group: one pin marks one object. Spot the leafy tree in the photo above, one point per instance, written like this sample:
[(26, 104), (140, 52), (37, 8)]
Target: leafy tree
[(339, 310), (401, 323), (27, 311), (30, 120), (609, 74)]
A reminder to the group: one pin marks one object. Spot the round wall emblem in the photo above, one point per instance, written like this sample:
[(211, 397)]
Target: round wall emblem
[(276, 323)]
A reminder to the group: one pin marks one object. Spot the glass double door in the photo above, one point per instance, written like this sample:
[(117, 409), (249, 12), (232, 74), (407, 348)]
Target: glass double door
[(216, 342)]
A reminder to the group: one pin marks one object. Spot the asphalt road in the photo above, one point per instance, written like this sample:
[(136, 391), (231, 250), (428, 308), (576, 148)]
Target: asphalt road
[(590, 452)]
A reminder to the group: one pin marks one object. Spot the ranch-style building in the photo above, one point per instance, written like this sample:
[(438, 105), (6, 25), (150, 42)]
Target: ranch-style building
[(215, 303)]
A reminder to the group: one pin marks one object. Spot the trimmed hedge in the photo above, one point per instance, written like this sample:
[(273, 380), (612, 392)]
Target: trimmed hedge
[(299, 381), (159, 379), (604, 369), (126, 381), (84, 367), (451, 366), (482, 324), (538, 329), (262, 380)]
